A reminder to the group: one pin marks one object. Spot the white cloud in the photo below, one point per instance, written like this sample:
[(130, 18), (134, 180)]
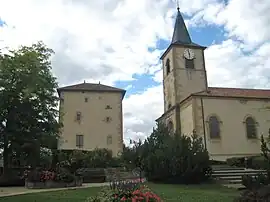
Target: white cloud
[(108, 40), (140, 111), (245, 20), (228, 65)]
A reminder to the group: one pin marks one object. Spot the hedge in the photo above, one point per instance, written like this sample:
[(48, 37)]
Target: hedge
[(92, 175), (254, 162)]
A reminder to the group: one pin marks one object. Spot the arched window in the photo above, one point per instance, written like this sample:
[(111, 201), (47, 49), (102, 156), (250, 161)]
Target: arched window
[(170, 126), (169, 105), (214, 127), (168, 66), (251, 127)]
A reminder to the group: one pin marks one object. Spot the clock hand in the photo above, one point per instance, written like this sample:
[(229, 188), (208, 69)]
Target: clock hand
[(188, 54)]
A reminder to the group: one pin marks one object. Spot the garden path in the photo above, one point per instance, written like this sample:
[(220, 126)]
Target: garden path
[(12, 191)]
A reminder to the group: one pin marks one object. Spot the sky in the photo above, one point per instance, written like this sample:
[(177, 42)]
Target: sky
[(119, 43)]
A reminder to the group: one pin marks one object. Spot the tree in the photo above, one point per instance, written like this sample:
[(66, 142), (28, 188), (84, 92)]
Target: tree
[(173, 158), (265, 149), (28, 104)]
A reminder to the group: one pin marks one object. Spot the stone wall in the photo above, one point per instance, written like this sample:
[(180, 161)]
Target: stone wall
[(52, 184)]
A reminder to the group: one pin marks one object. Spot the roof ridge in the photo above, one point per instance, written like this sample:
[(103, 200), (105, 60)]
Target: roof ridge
[(260, 89), (90, 86)]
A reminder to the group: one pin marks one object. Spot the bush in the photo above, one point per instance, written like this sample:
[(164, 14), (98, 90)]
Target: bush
[(261, 194), (213, 162), (254, 162), (141, 193), (258, 162), (235, 161), (176, 159), (61, 175), (255, 182), (13, 178), (92, 175)]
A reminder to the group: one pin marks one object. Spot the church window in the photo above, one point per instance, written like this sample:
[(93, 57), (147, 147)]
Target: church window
[(214, 127), (189, 63), (170, 126), (168, 66), (251, 128), (169, 105)]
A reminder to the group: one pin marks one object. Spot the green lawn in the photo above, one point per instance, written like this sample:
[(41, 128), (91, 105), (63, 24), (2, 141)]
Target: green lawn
[(173, 193), (79, 195), (194, 193)]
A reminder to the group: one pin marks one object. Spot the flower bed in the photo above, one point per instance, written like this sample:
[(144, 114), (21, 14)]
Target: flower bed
[(48, 179), (128, 191)]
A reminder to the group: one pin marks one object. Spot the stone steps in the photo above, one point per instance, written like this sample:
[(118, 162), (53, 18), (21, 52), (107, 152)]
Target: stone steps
[(233, 175)]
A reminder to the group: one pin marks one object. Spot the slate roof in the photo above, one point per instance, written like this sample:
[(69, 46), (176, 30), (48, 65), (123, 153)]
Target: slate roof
[(235, 92), (91, 87), (180, 34)]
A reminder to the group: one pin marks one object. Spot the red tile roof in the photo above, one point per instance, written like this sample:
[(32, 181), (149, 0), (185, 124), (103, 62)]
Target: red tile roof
[(236, 92), (90, 87)]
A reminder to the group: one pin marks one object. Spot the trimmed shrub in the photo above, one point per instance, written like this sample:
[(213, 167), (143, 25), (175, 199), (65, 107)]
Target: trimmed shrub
[(11, 181), (13, 178), (254, 162), (92, 175), (258, 162), (236, 162), (213, 162)]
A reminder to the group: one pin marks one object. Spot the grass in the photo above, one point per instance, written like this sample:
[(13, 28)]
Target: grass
[(194, 193), (170, 193), (75, 195)]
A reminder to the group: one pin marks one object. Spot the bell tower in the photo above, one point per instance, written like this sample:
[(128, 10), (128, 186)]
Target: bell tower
[(183, 66)]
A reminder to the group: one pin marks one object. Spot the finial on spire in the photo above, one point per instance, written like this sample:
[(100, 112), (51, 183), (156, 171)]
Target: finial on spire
[(178, 8), (99, 82), (83, 81)]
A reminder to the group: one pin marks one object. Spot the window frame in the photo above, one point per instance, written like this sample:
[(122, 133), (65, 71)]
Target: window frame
[(79, 140), (211, 129), (254, 125)]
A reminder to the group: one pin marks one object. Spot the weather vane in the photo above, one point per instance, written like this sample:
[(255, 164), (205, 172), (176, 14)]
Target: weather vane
[(177, 2)]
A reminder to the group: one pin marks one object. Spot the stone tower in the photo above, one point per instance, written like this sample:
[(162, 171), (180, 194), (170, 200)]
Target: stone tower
[(183, 66)]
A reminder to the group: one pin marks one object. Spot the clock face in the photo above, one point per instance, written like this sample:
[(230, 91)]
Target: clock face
[(189, 54)]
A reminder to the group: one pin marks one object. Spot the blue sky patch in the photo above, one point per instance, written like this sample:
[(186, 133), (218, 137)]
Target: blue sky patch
[(2, 22), (205, 36), (140, 84)]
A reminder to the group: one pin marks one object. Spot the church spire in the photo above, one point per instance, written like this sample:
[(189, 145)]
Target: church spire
[(180, 33)]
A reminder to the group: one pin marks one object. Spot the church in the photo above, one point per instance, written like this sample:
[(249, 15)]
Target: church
[(229, 120)]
